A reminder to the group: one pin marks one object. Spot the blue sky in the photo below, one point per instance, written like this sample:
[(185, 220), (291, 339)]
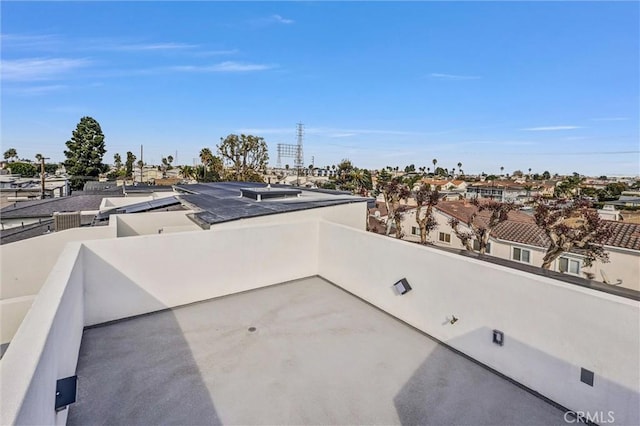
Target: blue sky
[(545, 85)]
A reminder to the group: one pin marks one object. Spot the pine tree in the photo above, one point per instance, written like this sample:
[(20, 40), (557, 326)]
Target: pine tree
[(85, 151)]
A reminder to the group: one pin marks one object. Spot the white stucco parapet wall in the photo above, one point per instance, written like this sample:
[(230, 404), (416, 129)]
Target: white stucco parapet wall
[(552, 329)]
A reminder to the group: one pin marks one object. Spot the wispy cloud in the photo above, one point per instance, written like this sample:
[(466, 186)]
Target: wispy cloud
[(217, 52), (29, 41), (494, 142), (227, 66), (141, 47), (37, 69), (577, 138), (266, 21), (610, 119), (441, 76), (341, 135), (281, 20), (36, 90), (550, 128)]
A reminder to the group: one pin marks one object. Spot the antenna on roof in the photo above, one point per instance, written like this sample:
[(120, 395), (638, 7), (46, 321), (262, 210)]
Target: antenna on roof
[(294, 151)]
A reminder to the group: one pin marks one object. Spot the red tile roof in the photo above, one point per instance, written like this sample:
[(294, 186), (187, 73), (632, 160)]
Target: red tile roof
[(625, 235), (521, 227)]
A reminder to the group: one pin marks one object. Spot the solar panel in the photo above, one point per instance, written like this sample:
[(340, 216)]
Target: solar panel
[(163, 202)]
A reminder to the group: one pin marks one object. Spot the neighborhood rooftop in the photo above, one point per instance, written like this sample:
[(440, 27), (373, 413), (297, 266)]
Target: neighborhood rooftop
[(521, 227), (49, 206), (223, 201)]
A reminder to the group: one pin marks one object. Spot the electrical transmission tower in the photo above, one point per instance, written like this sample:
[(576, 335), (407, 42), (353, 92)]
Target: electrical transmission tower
[(294, 151)]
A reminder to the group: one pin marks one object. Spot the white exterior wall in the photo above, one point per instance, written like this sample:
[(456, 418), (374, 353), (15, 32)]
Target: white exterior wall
[(27, 263), (353, 215), (126, 277), (25, 267), (551, 328), (409, 220), (153, 222), (109, 203), (504, 250), (624, 265), (46, 347)]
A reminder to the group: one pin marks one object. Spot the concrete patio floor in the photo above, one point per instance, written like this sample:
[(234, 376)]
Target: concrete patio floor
[(318, 355)]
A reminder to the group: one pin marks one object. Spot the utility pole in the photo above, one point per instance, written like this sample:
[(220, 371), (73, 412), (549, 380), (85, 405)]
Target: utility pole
[(141, 163), (42, 175)]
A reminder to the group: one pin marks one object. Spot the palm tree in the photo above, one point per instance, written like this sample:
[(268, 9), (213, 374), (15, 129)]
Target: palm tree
[(206, 157), (117, 161), (501, 169), (434, 161), (359, 181), (188, 172), (10, 154)]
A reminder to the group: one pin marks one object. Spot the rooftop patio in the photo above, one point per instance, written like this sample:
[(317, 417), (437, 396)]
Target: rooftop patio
[(304, 352), (352, 351)]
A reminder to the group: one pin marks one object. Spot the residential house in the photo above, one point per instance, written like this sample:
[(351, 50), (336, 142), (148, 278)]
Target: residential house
[(627, 199), (507, 191), (31, 212), (519, 239), (444, 185)]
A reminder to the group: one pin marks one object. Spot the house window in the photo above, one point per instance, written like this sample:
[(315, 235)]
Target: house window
[(521, 255), (476, 246), (570, 266), (415, 230), (444, 237)]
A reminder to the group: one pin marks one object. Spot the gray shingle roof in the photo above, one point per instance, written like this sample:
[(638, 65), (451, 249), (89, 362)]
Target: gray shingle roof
[(22, 233), (47, 207)]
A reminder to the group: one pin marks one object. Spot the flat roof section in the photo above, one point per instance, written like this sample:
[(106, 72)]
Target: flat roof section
[(304, 352), (224, 201)]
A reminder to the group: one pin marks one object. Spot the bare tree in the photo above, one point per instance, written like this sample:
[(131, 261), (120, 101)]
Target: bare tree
[(575, 225), (480, 230), (246, 155), (425, 197), (394, 191)]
